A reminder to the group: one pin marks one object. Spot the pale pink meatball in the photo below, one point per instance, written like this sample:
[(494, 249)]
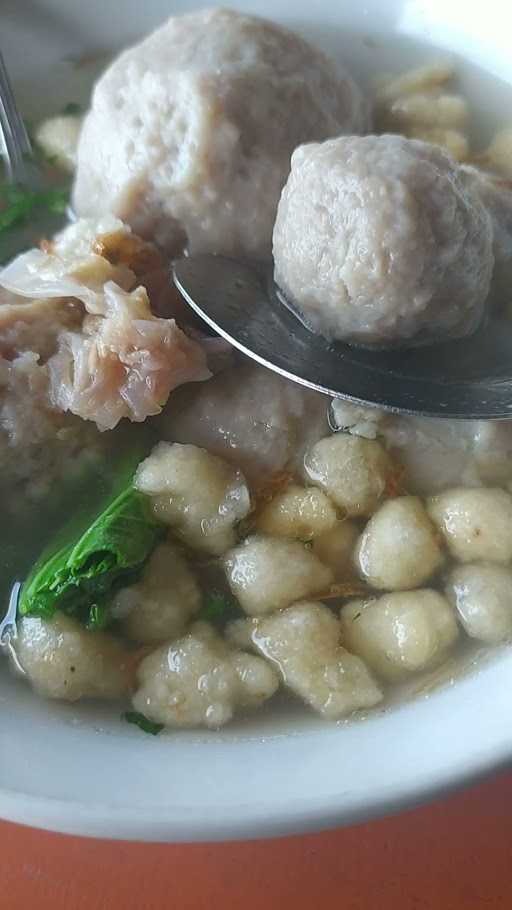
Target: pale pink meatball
[(191, 131), (378, 240)]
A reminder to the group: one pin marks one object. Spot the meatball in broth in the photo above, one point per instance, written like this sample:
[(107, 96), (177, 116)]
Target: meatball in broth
[(378, 240)]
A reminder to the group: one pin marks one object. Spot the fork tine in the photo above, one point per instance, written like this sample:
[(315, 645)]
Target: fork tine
[(12, 128)]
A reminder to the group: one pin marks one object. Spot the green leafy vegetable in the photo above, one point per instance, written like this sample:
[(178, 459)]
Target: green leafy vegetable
[(72, 109), (143, 723), (219, 608), (81, 577), (19, 203)]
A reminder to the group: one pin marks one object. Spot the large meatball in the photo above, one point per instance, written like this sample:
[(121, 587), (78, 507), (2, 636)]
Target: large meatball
[(378, 240), (190, 134), (496, 195)]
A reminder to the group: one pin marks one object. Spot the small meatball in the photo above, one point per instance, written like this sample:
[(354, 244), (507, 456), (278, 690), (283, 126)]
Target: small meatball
[(482, 595), (199, 495), (63, 660), (268, 573), (475, 523), (161, 604), (335, 548), (353, 471), (398, 549), (399, 633), (304, 643), (198, 681), (190, 132), (378, 240), (58, 137), (297, 512)]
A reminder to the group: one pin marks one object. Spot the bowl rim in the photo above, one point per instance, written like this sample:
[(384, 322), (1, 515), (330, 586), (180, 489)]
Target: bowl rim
[(154, 825)]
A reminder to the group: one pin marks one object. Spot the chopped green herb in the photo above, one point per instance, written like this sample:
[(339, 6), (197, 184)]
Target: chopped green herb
[(19, 203), (143, 723), (219, 608), (72, 108)]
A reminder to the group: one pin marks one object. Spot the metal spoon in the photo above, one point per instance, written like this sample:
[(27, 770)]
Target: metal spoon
[(470, 378), (22, 169)]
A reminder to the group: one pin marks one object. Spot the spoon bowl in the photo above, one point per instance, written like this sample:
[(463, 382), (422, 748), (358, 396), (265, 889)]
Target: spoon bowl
[(469, 378)]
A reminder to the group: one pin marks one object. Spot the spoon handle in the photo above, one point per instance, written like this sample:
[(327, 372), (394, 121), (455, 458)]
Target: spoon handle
[(8, 624), (15, 138)]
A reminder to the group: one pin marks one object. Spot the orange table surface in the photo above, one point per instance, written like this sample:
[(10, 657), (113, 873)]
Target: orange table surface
[(455, 854)]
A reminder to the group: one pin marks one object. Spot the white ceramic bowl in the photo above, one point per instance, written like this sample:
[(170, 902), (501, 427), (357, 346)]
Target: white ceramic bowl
[(82, 770)]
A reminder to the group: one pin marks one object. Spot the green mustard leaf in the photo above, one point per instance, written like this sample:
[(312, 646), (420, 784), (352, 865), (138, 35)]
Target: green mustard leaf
[(85, 573)]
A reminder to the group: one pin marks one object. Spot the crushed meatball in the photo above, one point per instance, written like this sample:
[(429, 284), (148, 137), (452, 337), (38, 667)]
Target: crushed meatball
[(303, 642), (63, 660), (267, 573), (199, 495), (399, 633), (161, 604), (198, 681)]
